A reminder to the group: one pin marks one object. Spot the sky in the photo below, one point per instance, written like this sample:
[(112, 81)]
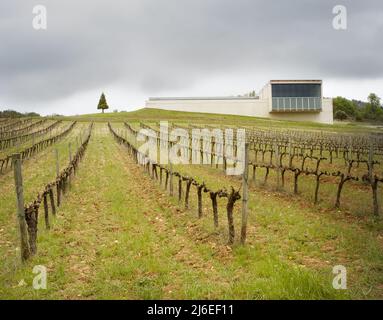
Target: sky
[(135, 49)]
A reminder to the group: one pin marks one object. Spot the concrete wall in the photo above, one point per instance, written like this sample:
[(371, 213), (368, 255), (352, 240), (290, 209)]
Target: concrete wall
[(244, 107), (325, 116), (265, 93)]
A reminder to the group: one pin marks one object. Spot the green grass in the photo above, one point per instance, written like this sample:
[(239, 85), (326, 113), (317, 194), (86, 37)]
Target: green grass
[(155, 115), (119, 235), (37, 172), (28, 143)]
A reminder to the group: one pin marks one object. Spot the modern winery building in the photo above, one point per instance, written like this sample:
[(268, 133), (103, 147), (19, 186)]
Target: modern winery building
[(298, 100)]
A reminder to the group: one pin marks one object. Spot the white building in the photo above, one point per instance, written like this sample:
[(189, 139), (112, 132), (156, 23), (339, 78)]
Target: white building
[(299, 100)]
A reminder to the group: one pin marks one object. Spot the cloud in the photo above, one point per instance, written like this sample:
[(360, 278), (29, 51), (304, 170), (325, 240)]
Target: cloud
[(171, 46)]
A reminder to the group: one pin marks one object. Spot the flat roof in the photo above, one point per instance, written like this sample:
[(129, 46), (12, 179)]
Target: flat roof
[(295, 81), (202, 98)]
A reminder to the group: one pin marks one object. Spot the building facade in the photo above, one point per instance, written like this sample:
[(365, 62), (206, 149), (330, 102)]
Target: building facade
[(297, 100)]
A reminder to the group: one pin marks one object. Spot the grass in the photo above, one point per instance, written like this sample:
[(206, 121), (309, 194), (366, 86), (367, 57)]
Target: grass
[(155, 115), (30, 141), (299, 233), (118, 235), (37, 172)]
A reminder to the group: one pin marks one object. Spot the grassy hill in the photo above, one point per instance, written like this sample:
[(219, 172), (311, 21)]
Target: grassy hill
[(155, 115)]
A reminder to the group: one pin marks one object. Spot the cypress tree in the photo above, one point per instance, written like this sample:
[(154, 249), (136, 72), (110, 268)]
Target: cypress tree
[(102, 104)]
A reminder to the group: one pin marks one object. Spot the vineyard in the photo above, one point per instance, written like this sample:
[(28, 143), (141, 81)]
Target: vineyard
[(110, 220)]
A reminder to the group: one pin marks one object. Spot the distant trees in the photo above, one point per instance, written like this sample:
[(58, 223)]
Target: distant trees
[(372, 110), (31, 114), (15, 114), (344, 105), (102, 104), (248, 94)]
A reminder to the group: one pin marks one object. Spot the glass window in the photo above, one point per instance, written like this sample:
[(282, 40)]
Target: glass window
[(296, 104), (296, 97), (296, 90)]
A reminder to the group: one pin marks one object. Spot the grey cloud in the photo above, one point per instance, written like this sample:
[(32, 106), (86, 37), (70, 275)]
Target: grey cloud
[(170, 44)]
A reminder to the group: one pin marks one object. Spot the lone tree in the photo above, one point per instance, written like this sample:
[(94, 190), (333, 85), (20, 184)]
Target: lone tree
[(102, 104)]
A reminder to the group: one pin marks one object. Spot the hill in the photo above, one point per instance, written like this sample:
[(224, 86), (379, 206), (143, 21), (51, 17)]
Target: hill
[(155, 115)]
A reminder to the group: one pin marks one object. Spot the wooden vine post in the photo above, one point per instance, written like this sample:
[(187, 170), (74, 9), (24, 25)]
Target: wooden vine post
[(70, 152), (46, 211), (245, 194), (70, 161), (171, 178), (24, 249), (373, 180), (278, 166), (57, 162), (179, 189), (58, 186)]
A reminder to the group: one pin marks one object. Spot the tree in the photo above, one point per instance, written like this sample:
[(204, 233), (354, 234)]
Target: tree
[(373, 110), (31, 114), (15, 114), (102, 104), (374, 101), (345, 105)]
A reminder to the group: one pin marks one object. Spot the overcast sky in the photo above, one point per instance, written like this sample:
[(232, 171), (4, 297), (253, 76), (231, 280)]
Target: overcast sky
[(134, 49)]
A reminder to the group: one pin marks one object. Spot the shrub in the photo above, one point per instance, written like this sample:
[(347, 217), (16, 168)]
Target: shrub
[(340, 115)]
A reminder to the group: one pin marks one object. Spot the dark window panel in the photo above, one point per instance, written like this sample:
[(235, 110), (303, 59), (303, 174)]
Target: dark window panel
[(296, 90)]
